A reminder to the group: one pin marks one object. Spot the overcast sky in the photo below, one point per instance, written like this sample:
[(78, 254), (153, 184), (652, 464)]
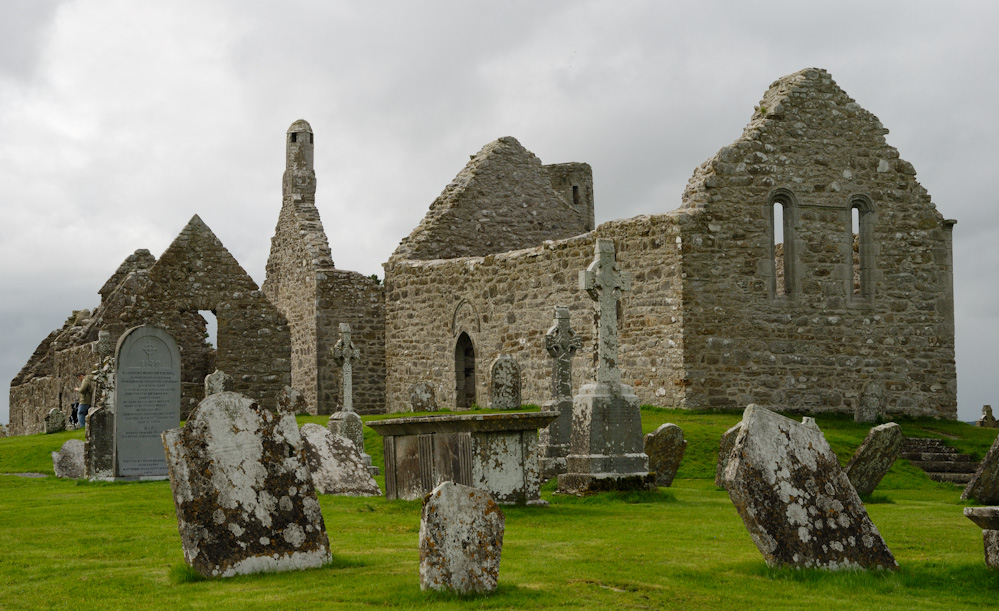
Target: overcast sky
[(120, 120)]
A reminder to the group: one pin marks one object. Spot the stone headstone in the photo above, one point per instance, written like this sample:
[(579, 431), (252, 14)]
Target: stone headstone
[(874, 457), (504, 387), (147, 400), (987, 420), (217, 382), (795, 499), (871, 405), (423, 397), (984, 484), (461, 540), (606, 450), (105, 349), (98, 450), (665, 447), (3, 431), (987, 518), (243, 491), (68, 461), (346, 354), (561, 343), (55, 421), (336, 464), (725, 446), (292, 401), (349, 425)]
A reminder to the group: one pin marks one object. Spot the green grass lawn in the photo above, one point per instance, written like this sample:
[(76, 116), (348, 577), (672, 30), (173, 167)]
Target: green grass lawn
[(80, 545)]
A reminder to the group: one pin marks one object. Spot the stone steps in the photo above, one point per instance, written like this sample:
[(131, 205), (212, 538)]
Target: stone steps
[(941, 462)]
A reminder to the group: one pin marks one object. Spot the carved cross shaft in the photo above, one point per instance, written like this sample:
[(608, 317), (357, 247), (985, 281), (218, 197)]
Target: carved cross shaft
[(345, 353), (604, 283), (561, 342)]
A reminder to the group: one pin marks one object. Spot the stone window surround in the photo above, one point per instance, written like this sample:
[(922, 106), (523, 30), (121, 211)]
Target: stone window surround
[(867, 250), (786, 198)]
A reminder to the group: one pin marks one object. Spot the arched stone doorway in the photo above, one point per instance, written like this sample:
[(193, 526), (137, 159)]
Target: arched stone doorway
[(464, 372)]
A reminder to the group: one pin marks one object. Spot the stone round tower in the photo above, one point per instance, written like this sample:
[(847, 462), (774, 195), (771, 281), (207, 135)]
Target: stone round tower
[(299, 176)]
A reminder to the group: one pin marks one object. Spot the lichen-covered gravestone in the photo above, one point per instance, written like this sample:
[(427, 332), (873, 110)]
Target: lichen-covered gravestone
[(871, 405), (984, 484), (55, 421), (349, 425), (243, 491), (461, 540), (665, 447), (725, 445), (504, 387), (561, 343), (217, 382), (423, 397), (336, 464), (874, 457), (98, 450), (796, 500), (68, 461)]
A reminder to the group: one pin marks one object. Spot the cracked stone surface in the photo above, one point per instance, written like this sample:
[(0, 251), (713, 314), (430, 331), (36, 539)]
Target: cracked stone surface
[(336, 464), (796, 500), (874, 457), (665, 447), (243, 492), (461, 540)]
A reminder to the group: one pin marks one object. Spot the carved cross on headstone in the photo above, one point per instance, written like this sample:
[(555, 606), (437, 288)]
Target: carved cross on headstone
[(345, 353), (561, 342), (604, 283)]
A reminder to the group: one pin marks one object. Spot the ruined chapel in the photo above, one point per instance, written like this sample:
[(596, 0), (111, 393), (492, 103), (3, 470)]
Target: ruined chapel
[(805, 269)]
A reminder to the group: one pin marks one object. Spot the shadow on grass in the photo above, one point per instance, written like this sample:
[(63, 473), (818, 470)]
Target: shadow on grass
[(182, 573), (633, 497), (501, 591), (877, 499)]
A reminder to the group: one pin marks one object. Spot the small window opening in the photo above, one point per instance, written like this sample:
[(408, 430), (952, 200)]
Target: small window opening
[(311, 139), (294, 137), (211, 328), (575, 196), (862, 248), (855, 232), (779, 253)]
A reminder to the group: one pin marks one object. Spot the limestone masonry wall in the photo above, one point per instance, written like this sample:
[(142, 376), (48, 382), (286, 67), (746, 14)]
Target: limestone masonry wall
[(505, 304)]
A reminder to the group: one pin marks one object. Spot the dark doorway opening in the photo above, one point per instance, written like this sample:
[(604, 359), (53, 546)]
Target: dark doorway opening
[(464, 372)]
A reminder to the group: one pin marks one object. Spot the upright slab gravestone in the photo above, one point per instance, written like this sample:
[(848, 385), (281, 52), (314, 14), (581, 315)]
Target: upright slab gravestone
[(147, 401), (504, 385)]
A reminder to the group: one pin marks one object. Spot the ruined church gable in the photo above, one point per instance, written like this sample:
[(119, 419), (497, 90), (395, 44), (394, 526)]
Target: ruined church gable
[(502, 200)]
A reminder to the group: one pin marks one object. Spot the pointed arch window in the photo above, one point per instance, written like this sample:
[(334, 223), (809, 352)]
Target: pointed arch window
[(781, 212)]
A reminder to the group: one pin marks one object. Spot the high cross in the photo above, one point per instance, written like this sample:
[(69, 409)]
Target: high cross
[(561, 342), (345, 353), (604, 283)]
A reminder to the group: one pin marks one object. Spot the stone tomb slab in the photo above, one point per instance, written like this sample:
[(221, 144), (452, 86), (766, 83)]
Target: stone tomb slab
[(874, 457), (796, 500), (336, 464), (147, 401), (665, 448), (461, 540), (984, 484), (493, 452), (243, 491), (987, 518)]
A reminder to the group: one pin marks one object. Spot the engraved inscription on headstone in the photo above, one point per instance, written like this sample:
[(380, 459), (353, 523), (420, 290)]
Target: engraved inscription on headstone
[(147, 397)]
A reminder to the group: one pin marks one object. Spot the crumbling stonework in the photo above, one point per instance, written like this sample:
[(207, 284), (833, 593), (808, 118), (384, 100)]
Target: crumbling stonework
[(461, 540), (243, 491)]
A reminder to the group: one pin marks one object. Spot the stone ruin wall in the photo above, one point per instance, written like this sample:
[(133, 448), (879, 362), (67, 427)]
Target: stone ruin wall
[(814, 350), (574, 182), (506, 304), (359, 301), (31, 401)]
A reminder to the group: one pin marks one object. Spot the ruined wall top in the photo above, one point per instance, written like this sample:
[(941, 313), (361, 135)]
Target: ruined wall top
[(300, 147), (502, 200), (139, 260)]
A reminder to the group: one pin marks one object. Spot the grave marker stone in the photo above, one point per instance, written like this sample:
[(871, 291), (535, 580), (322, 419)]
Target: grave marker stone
[(984, 484), (98, 449), (987, 420), (147, 400), (987, 518), (725, 445), (336, 464), (68, 461), (217, 382), (871, 405), (55, 421), (874, 457), (423, 397), (606, 450), (504, 389), (665, 448), (345, 353), (561, 342)]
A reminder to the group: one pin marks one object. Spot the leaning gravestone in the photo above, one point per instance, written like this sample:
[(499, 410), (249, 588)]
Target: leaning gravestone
[(147, 400), (243, 491), (336, 464), (725, 446), (68, 461), (55, 421), (665, 447), (561, 343), (461, 540), (874, 457), (795, 499), (984, 484), (504, 387)]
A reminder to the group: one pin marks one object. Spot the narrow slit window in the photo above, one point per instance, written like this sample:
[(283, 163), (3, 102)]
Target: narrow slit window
[(294, 137), (779, 212), (862, 248), (855, 233), (779, 252)]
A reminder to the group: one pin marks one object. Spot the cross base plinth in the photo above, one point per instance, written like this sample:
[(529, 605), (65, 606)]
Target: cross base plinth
[(553, 441)]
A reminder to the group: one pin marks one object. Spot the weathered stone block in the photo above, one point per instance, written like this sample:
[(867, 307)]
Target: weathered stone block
[(665, 448), (461, 540), (98, 450), (874, 457), (872, 403), (987, 518), (796, 500), (505, 387), (336, 464), (55, 421), (243, 492), (349, 425), (423, 397), (984, 484), (725, 446), (217, 382), (68, 461)]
